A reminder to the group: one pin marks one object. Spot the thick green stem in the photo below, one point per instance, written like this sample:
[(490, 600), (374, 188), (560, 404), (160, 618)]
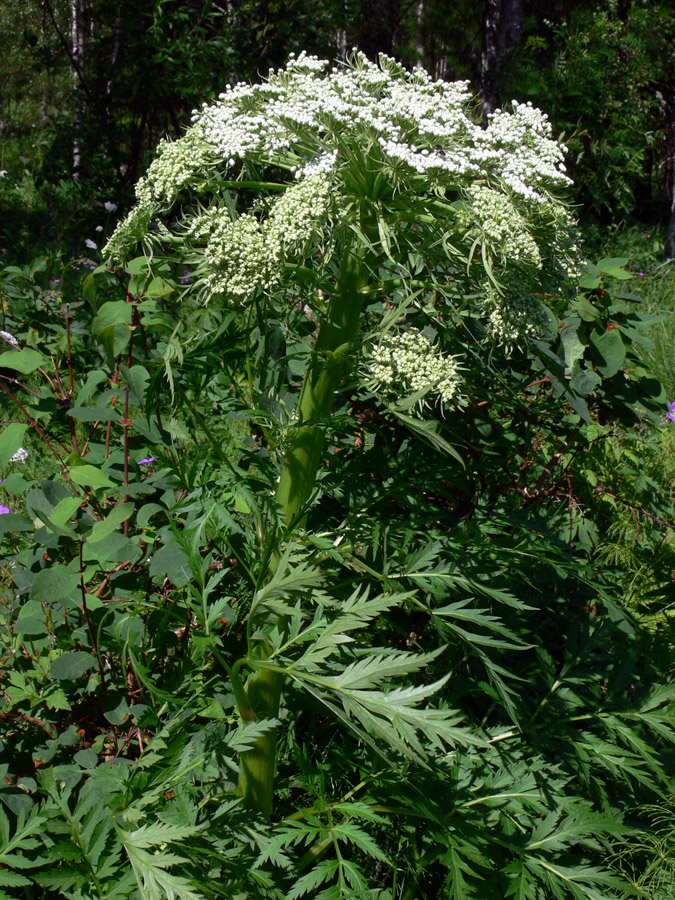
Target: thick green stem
[(298, 477)]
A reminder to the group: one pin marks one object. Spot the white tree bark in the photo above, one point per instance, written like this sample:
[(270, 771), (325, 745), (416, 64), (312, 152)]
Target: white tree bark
[(419, 34), (77, 38)]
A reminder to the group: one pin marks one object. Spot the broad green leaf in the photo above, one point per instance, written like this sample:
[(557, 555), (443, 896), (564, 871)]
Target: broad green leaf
[(14, 522), (102, 413), (88, 389), (115, 517), (572, 346), (609, 350), (171, 560), (10, 441), (54, 585), (72, 665), (115, 708), (24, 361), (90, 476), (584, 381), (114, 312), (137, 378), (64, 510)]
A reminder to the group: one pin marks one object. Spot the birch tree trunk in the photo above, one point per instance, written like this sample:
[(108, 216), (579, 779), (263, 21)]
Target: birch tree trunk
[(419, 34), (77, 38), (502, 30), (669, 248)]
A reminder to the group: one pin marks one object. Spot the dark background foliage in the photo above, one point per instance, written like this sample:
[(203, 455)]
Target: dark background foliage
[(88, 87)]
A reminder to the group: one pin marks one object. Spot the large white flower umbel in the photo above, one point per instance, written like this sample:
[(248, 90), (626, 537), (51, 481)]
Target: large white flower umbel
[(349, 186)]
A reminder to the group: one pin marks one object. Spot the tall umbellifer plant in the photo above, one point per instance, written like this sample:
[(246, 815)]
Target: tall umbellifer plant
[(371, 200), (394, 290)]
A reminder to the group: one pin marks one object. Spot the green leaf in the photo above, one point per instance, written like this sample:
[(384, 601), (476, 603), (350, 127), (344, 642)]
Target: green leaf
[(115, 708), (572, 346), (137, 378), (114, 312), (72, 665), (89, 288), (10, 441), (14, 522), (64, 510), (54, 585), (115, 517), (584, 381), (24, 361), (90, 476), (610, 351), (102, 413), (171, 560)]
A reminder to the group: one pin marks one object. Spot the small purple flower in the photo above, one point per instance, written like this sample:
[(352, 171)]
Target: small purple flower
[(641, 273), (147, 460), (671, 411), (186, 276), (56, 280), (4, 510)]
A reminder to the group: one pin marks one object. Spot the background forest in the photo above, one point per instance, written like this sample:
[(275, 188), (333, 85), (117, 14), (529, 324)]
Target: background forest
[(283, 614)]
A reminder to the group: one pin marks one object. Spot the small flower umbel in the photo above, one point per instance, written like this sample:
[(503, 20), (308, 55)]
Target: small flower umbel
[(410, 365)]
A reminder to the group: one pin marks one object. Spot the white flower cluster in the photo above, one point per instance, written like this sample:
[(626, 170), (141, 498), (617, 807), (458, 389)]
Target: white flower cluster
[(298, 212), (9, 338), (515, 316), (422, 124), (408, 362), (492, 218), (172, 169), (240, 259), (246, 254), (21, 455)]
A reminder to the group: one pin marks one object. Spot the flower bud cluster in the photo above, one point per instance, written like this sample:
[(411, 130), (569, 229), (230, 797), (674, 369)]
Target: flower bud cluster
[(128, 232), (246, 254), (299, 211), (409, 362), (174, 166), (240, 259), (515, 316), (492, 218)]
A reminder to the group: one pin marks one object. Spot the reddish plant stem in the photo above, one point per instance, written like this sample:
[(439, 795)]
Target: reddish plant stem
[(70, 352), (90, 624), (40, 430)]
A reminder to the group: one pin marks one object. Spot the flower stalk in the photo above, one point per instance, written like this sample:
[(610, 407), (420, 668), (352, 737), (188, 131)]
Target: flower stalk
[(334, 343)]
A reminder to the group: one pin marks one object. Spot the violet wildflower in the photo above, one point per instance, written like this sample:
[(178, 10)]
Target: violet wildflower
[(186, 276), (91, 244), (147, 460), (4, 510), (671, 411)]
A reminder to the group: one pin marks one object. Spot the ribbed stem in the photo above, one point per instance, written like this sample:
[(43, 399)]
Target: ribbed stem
[(298, 477)]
